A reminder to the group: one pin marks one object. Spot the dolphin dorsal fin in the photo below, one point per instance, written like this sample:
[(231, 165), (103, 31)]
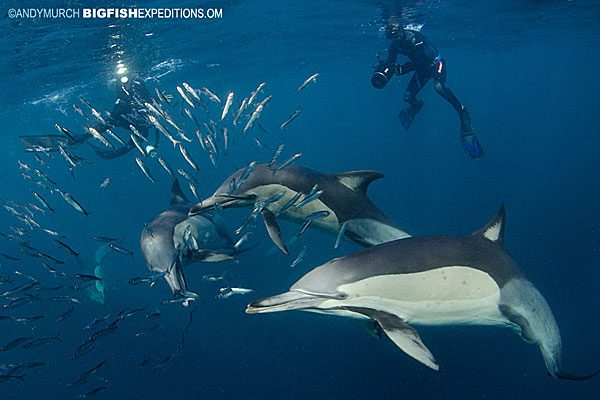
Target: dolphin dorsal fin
[(177, 196), (494, 230), (358, 180)]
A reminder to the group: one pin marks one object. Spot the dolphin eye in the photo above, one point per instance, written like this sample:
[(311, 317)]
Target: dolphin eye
[(340, 296)]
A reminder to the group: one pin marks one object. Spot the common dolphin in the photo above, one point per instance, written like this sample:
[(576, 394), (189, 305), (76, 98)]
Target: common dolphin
[(344, 196), (94, 266), (172, 240), (432, 280)]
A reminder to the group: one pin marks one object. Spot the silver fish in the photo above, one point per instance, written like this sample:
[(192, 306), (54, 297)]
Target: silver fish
[(98, 136), (193, 189), (72, 202), (115, 137), (228, 103), (187, 157), (253, 117), (144, 169), (162, 129), (276, 155), (225, 139), (317, 215), (67, 156), (164, 164), (211, 95), (311, 79), (292, 117), (308, 199), (288, 162), (191, 91), (138, 145), (240, 111), (255, 93), (43, 202), (298, 259), (340, 235), (185, 97), (245, 174)]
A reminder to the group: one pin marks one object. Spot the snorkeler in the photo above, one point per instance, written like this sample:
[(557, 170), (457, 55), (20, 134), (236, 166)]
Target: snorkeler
[(427, 63), (128, 111)]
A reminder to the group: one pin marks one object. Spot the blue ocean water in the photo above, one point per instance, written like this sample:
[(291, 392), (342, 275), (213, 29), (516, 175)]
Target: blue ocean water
[(527, 71)]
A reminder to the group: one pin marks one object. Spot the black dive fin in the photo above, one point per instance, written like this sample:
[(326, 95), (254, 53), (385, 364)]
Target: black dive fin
[(177, 196), (358, 181), (372, 328), (404, 336), (274, 230), (494, 230)]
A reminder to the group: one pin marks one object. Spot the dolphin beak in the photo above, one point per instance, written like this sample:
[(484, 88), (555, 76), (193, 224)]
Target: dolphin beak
[(222, 201), (284, 302), (205, 205)]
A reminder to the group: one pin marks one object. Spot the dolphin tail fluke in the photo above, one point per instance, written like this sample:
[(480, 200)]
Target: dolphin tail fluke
[(403, 335), (523, 305), (274, 231), (569, 377)]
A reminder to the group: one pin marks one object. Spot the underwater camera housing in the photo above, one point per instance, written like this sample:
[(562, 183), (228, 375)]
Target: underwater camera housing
[(382, 75)]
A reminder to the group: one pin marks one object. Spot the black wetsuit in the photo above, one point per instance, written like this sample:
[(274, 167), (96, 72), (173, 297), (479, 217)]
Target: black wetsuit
[(127, 110), (426, 62)]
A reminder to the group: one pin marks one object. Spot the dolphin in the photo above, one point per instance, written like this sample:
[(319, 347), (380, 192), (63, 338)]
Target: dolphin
[(431, 280), (95, 266), (172, 240), (344, 197)]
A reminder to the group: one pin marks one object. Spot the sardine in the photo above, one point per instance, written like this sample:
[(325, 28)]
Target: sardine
[(43, 202), (298, 259), (228, 103), (144, 169), (185, 97), (288, 162), (72, 202), (187, 157), (211, 95), (255, 93), (292, 117), (311, 79), (98, 136)]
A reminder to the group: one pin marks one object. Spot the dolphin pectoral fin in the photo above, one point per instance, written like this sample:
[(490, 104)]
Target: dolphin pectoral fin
[(273, 230), (175, 277), (372, 328), (211, 256), (404, 336)]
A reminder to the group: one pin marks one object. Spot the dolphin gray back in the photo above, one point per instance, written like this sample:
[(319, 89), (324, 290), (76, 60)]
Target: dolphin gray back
[(412, 255), (349, 201)]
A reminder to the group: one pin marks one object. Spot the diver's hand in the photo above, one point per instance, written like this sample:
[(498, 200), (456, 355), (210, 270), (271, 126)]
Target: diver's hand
[(397, 69)]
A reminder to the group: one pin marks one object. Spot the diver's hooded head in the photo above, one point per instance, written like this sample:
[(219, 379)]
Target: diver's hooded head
[(393, 28)]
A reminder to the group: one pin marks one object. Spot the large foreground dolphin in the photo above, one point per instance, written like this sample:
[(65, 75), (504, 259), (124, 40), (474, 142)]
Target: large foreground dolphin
[(172, 240), (344, 197), (435, 280)]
